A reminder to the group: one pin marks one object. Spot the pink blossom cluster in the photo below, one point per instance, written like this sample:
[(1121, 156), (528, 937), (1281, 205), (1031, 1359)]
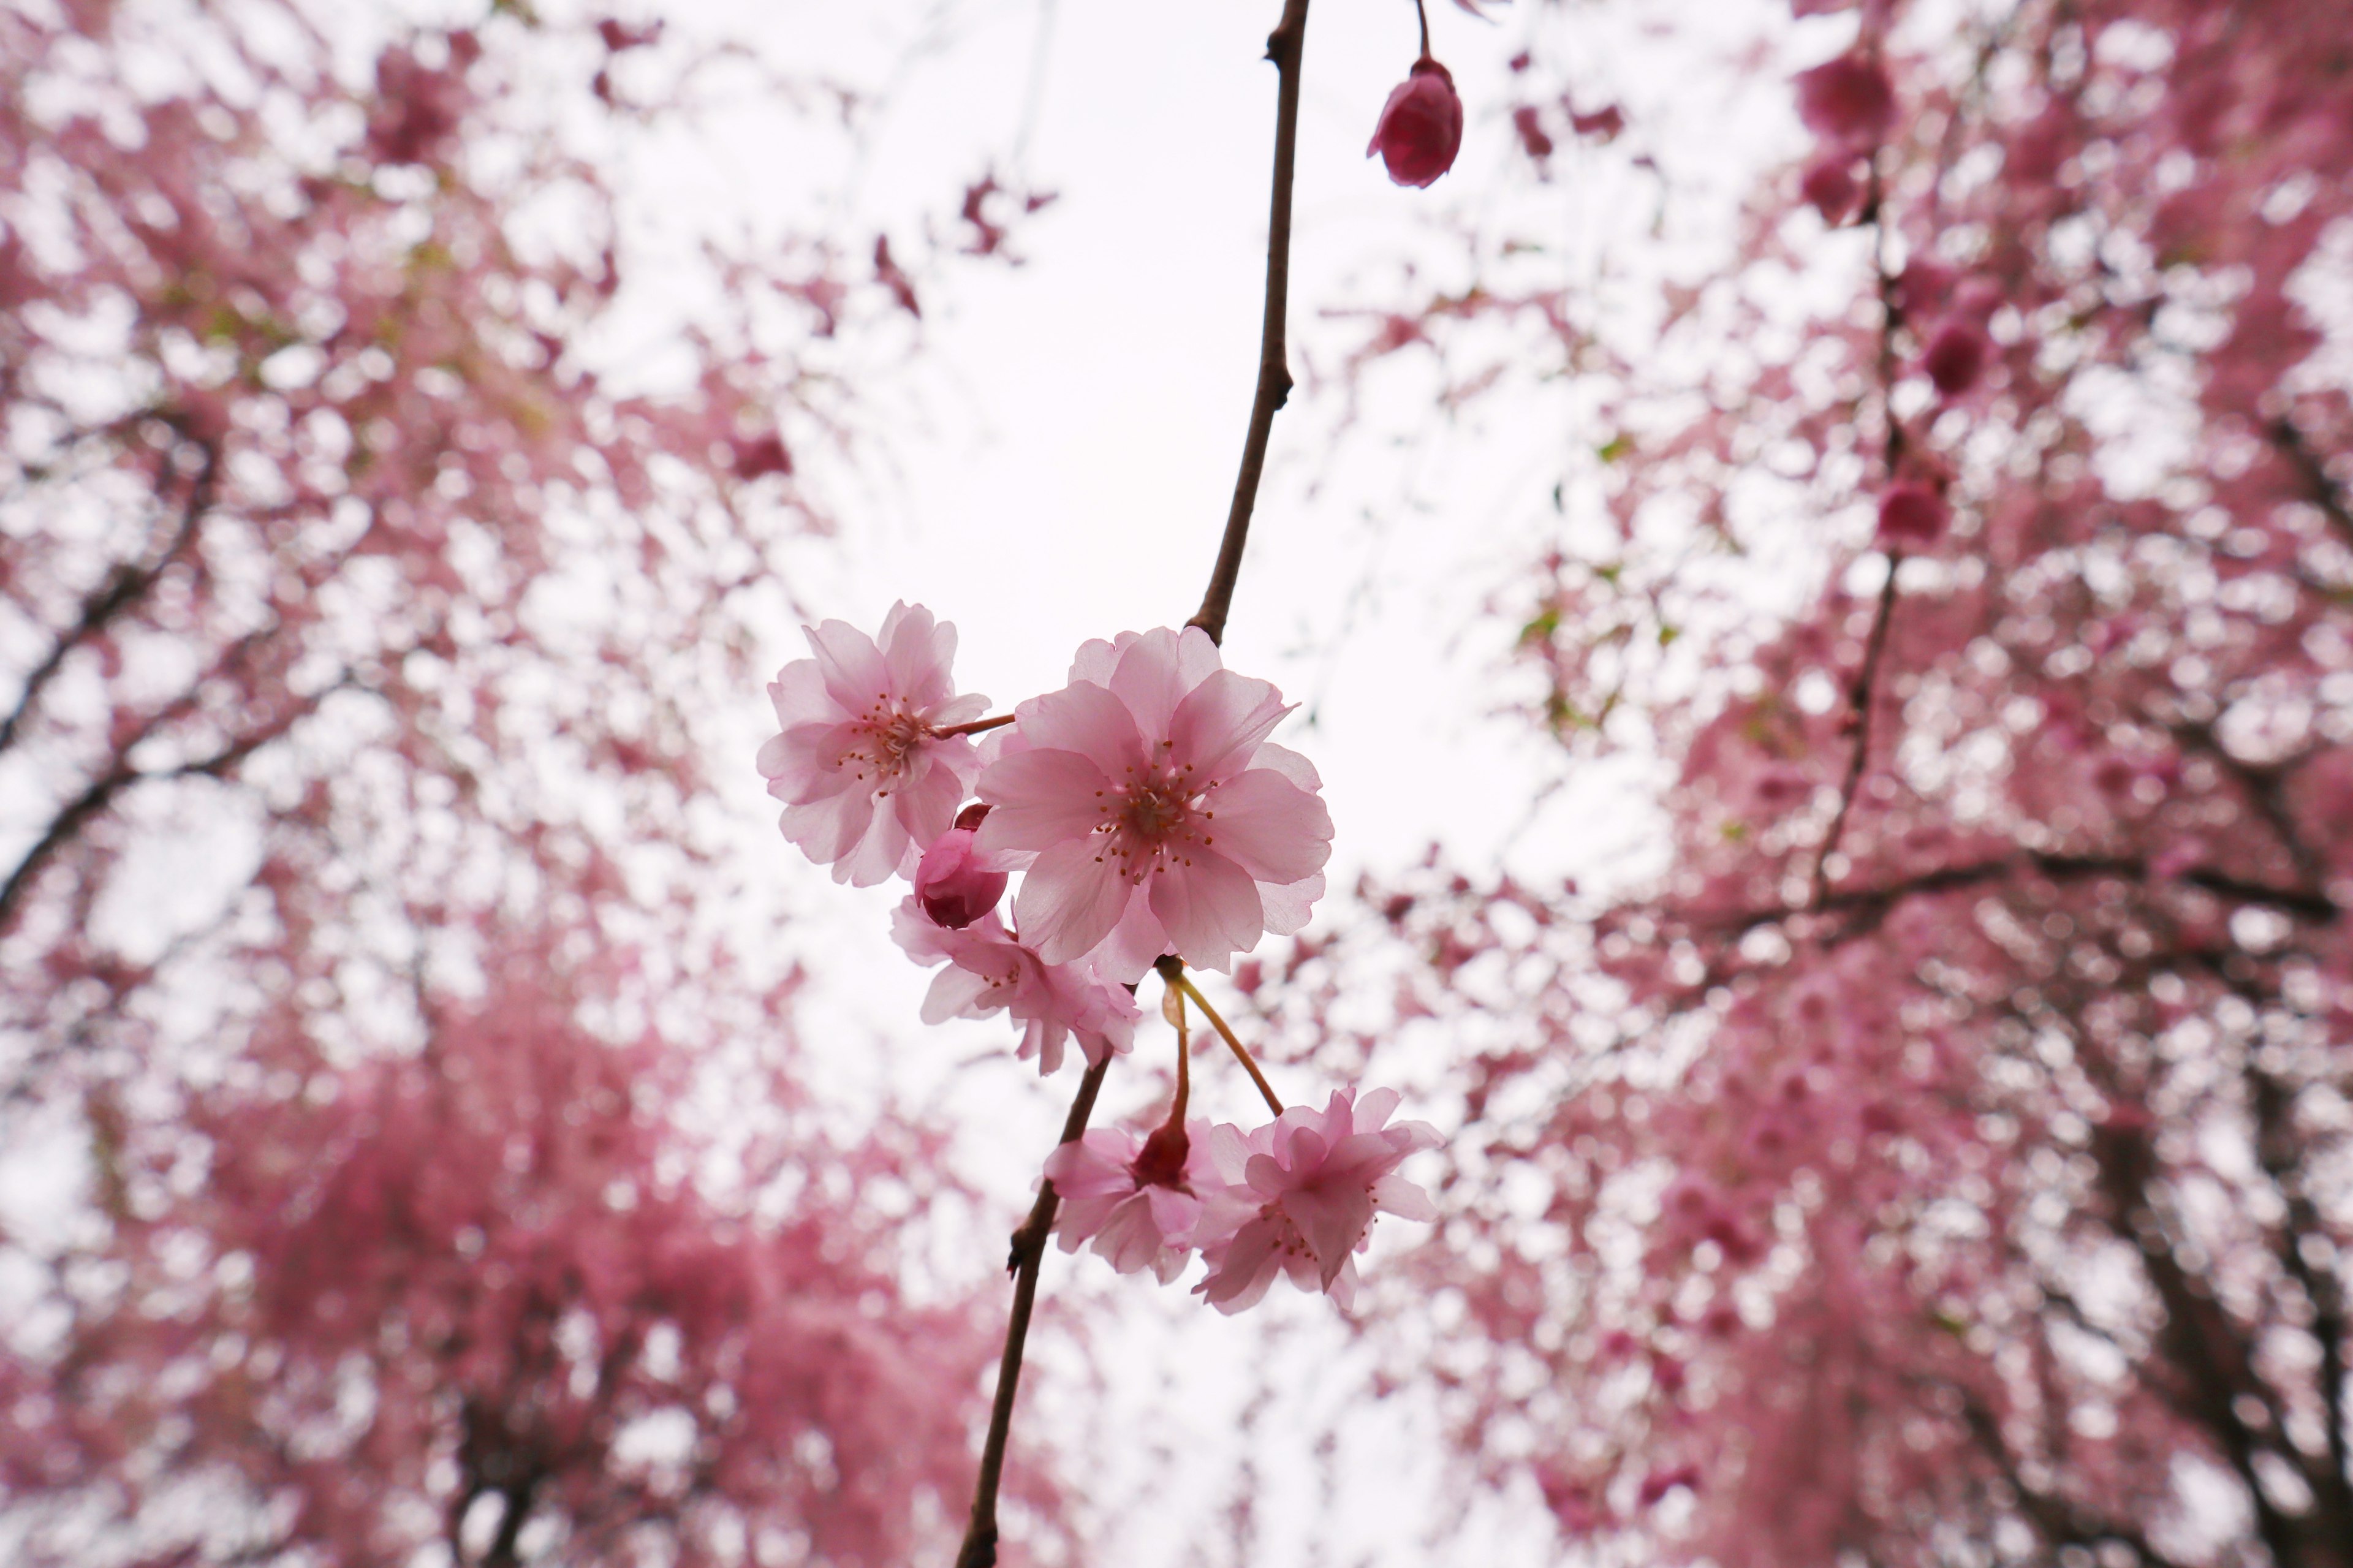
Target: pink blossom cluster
[(1151, 823), (1295, 1197)]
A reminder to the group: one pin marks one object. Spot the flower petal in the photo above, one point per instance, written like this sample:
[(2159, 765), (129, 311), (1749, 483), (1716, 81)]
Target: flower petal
[(1070, 901), (1039, 799), (1147, 680), (1211, 907), (1221, 721), (855, 675), (1273, 828)]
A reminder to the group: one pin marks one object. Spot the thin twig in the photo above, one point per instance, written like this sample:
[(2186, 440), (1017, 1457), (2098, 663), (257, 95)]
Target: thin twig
[(977, 726), (1860, 698), (979, 1549), (1173, 971), (1283, 47)]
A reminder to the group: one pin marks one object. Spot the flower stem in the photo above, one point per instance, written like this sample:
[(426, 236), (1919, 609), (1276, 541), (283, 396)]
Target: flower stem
[(1283, 47), (976, 726), (979, 1549), (1422, 15), (1184, 1061), (1172, 970)]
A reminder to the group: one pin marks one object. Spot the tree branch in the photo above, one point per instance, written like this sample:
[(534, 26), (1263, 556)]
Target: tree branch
[(1283, 47), (979, 1549), (124, 587)]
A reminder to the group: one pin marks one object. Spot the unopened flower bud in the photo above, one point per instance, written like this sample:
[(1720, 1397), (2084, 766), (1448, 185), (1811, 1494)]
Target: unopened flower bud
[(1847, 100), (1831, 188), (953, 884), (1956, 358), (1912, 515), (1420, 126)]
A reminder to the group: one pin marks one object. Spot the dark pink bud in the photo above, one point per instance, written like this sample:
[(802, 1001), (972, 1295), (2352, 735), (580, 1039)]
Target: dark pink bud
[(1831, 188), (953, 885), (1602, 124), (1420, 126), (762, 455), (1956, 357), (1911, 516), (1846, 99), (1530, 126), (1161, 1162)]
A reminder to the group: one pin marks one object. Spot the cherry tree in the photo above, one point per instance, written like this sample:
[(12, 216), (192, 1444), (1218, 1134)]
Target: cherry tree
[(364, 971), (1943, 1158)]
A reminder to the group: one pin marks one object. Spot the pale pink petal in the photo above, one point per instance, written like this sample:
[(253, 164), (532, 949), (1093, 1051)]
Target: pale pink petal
[(1134, 945), (1093, 1164), (886, 851), (1373, 1108), (926, 804), (1096, 660), (955, 992), (1290, 764), (1221, 723), (1332, 1221), (917, 651), (1039, 799), (855, 676), (1393, 1195), (1196, 657), (800, 698), (1289, 908), (1240, 1276), (1147, 680), (826, 830), (1210, 906), (1042, 1037), (1270, 826), (1087, 720), (1071, 899)]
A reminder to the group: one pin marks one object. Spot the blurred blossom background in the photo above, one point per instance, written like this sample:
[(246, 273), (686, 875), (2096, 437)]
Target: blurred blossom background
[(1816, 567)]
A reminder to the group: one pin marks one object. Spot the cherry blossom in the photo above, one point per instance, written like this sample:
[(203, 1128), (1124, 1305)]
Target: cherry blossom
[(1297, 1197), (1160, 818), (1137, 1201), (867, 779), (990, 971), (1420, 126)]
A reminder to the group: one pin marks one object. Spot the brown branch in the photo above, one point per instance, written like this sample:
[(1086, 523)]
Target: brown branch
[(1283, 47), (979, 1549), (2277, 1151), (1860, 696), (2325, 495), (123, 588)]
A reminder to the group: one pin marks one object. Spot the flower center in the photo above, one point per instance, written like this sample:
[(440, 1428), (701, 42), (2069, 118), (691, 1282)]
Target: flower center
[(1155, 813), (888, 741)]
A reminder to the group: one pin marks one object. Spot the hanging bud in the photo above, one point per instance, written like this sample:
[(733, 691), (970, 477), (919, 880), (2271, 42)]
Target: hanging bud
[(1954, 358), (1912, 515), (1420, 126), (953, 883)]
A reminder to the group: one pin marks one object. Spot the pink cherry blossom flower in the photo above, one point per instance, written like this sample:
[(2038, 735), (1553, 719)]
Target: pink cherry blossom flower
[(990, 971), (1420, 126), (867, 779), (1298, 1196), (1160, 816), (955, 883), (1137, 1201)]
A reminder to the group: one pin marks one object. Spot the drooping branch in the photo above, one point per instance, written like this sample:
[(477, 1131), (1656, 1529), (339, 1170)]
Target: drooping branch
[(1283, 47), (979, 1549), (122, 589)]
